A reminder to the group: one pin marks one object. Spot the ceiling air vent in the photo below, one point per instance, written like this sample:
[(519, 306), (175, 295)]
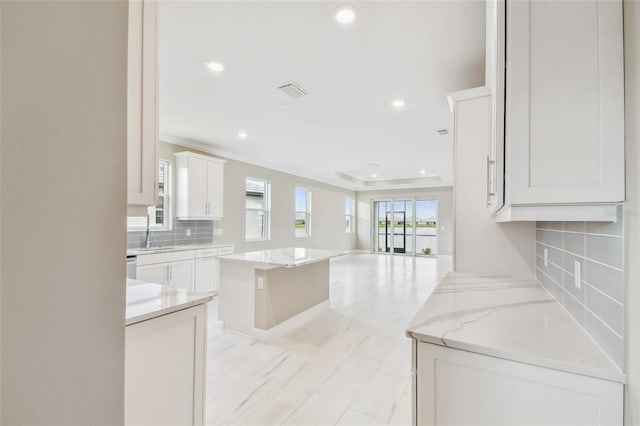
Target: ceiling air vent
[(293, 90)]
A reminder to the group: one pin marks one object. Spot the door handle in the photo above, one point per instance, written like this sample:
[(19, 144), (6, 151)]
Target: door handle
[(489, 193)]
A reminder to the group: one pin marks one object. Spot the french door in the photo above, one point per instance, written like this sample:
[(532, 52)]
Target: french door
[(405, 226)]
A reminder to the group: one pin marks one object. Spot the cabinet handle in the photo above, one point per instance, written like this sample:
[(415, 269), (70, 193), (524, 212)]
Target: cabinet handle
[(489, 193), (170, 272)]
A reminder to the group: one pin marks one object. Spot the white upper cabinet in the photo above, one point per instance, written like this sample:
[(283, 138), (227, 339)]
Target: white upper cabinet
[(199, 189), (563, 106), (142, 110)]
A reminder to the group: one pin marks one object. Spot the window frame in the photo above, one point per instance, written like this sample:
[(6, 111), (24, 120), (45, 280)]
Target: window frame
[(349, 217), (138, 223), (306, 212), (266, 235)]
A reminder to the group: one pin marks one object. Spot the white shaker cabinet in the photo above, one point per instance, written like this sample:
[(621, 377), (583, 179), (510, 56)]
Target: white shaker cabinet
[(563, 105), (456, 387), (165, 369), (200, 185), (175, 269), (142, 109), (208, 268)]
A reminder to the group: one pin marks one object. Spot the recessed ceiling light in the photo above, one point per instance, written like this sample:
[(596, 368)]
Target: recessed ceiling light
[(423, 172), (373, 175), (215, 66), (345, 14), (242, 134), (398, 103)]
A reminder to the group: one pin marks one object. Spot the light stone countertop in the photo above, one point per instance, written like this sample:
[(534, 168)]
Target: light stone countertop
[(168, 249), (510, 319), (147, 300), (288, 257)]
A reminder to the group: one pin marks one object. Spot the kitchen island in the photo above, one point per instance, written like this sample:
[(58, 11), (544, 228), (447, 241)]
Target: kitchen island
[(499, 351), (165, 355), (263, 293)]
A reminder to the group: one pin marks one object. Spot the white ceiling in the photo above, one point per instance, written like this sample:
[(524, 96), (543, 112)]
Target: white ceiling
[(417, 51)]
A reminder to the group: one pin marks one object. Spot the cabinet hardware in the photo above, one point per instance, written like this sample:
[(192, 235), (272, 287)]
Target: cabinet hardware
[(489, 192)]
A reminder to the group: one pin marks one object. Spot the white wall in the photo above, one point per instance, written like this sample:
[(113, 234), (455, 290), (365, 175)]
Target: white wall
[(632, 210), (327, 215), (63, 212), (445, 214)]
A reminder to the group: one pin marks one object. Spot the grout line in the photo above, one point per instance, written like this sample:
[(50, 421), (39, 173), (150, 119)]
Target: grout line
[(580, 233), (604, 323), (583, 257), (603, 293)]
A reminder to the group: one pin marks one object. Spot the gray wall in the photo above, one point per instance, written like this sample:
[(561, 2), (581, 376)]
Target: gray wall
[(63, 177), (632, 210), (445, 214), (327, 215), (599, 304)]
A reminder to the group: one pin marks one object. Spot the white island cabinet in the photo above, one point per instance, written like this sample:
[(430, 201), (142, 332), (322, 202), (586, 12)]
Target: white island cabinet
[(165, 355), (200, 186), (264, 293), (496, 351)]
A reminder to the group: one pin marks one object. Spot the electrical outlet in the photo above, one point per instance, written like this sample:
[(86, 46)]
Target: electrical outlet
[(217, 231), (576, 274), (260, 283), (188, 232), (546, 257)]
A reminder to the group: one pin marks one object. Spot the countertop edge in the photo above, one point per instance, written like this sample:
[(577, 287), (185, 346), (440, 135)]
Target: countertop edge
[(167, 310), (518, 357)]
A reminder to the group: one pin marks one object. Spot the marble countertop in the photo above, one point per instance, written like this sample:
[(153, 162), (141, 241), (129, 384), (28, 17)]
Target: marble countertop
[(149, 300), (510, 319), (288, 257), (166, 249)]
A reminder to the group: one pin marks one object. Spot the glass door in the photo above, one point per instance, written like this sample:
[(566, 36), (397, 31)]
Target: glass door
[(426, 227), (405, 226)]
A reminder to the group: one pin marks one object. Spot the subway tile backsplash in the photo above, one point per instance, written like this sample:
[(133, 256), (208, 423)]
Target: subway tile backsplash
[(201, 233), (599, 248)]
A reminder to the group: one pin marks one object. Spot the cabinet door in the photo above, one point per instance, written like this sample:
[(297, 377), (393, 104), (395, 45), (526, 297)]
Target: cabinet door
[(456, 387), (165, 369), (206, 275), (142, 122), (181, 274), (156, 273), (564, 102), (197, 202), (215, 172)]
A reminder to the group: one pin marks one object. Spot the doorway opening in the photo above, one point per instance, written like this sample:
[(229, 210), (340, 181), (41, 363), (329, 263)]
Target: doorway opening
[(405, 226)]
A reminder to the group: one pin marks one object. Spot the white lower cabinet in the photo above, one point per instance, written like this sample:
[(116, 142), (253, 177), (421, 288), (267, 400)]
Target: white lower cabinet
[(456, 387), (165, 369), (175, 269), (206, 274), (208, 268), (191, 269)]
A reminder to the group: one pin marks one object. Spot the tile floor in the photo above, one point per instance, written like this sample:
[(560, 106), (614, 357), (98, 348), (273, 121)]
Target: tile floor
[(350, 365)]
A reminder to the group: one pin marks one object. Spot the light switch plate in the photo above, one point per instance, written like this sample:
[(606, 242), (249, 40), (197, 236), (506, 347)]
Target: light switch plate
[(188, 232), (217, 231), (260, 283), (576, 274), (546, 257)]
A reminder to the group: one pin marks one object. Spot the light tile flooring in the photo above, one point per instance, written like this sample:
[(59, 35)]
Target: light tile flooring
[(350, 365)]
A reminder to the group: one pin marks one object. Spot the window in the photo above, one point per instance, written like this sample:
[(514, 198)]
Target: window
[(257, 209), (348, 212), (303, 213), (159, 215)]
